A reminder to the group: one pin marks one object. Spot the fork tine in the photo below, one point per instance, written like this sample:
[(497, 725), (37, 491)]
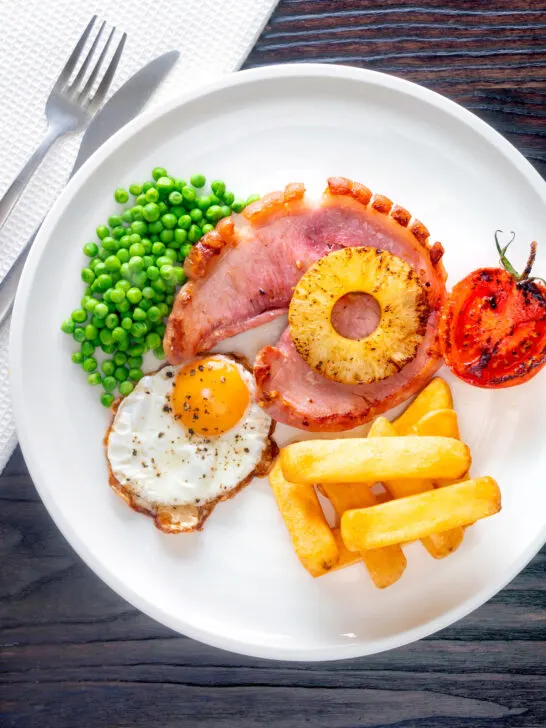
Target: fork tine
[(93, 75), (81, 73), (71, 63), (102, 90)]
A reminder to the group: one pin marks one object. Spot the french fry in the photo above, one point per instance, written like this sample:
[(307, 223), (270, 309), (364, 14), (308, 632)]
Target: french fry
[(346, 557), (442, 423), (385, 566), (435, 396), (312, 537), (420, 515), (439, 545), (369, 460)]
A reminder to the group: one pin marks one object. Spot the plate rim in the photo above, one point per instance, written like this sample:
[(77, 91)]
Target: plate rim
[(16, 338)]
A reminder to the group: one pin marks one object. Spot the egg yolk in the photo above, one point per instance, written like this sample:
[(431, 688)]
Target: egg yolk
[(209, 396)]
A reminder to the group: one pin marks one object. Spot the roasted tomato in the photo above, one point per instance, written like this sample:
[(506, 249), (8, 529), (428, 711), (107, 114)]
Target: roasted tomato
[(493, 326)]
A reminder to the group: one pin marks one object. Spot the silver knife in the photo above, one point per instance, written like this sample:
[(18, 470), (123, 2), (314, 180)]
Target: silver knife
[(122, 106)]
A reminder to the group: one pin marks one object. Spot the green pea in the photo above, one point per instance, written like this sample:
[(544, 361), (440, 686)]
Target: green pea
[(139, 227), (109, 383), (175, 197), (163, 310), (111, 321), (108, 348), (147, 258), (139, 329), (141, 200), (214, 213), (203, 203), (135, 189), (158, 249), (90, 249), (135, 374), (170, 255), (134, 295), (136, 350), (103, 253), (198, 180), (110, 244), (126, 323), (127, 216), (102, 231), (154, 314), (179, 275), (68, 326), (225, 210), (166, 236), (159, 172), (121, 196), (91, 332), (218, 187), (195, 233), (114, 221), (153, 340), (153, 274), (117, 295), (196, 214), (147, 186), (105, 336), (145, 304), (215, 200), (139, 314), (123, 285), (79, 316), (79, 334), (91, 304), (104, 281), (185, 249), (107, 399), (151, 212), (125, 388), (180, 236), (124, 306), (100, 268), (252, 198), (89, 364), (160, 330), (207, 228), (136, 212), (238, 205), (112, 263), (159, 353), (162, 207), (137, 249), (94, 379), (120, 359), (164, 185), (96, 320), (118, 232), (189, 195), (138, 278), (87, 349), (125, 242), (107, 366), (228, 198), (169, 221), (77, 357), (154, 228), (152, 195), (178, 210), (148, 292)]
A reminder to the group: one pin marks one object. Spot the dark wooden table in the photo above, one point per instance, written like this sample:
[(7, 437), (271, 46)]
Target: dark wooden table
[(75, 654)]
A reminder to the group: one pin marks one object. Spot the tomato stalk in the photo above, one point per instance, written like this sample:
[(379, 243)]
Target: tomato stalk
[(520, 278)]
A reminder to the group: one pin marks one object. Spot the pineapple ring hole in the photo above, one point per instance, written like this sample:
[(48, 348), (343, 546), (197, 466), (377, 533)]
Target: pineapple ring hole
[(356, 315)]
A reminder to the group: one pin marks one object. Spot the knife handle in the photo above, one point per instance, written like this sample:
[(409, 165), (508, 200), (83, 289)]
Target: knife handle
[(8, 285)]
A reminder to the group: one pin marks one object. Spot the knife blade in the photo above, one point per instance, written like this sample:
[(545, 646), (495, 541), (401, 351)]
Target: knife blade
[(121, 108)]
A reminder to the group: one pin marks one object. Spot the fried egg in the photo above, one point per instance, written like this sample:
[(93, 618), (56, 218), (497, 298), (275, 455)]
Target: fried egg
[(187, 437)]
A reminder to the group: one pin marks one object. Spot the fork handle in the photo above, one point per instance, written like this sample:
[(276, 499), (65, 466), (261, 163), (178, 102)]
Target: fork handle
[(16, 188)]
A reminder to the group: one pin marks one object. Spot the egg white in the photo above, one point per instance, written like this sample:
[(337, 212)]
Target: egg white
[(162, 464)]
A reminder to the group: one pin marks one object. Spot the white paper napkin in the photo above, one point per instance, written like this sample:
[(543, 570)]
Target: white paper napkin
[(213, 37)]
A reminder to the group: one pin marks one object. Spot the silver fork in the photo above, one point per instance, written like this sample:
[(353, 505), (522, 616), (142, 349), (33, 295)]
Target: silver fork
[(69, 106)]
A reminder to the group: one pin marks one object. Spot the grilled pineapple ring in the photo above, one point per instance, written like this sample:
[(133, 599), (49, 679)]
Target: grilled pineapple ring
[(393, 344)]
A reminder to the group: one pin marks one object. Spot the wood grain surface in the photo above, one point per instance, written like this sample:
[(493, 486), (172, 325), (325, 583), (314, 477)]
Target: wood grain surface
[(75, 654)]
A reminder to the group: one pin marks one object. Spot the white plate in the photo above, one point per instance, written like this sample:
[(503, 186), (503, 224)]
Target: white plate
[(238, 585)]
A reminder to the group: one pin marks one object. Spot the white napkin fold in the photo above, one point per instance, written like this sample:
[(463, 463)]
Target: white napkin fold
[(213, 36)]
